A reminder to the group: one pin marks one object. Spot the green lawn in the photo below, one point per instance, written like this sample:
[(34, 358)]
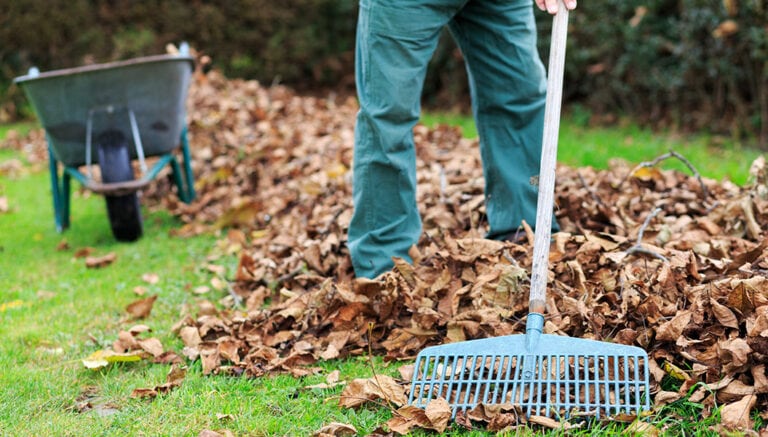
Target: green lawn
[(54, 312)]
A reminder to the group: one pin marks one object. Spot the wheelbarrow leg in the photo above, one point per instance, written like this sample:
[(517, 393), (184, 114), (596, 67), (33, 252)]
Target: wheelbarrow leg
[(66, 194), (60, 193), (188, 176), (178, 180)]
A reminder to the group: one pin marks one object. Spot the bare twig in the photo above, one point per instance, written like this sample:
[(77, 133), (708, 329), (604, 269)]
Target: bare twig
[(671, 154), (443, 185), (638, 248), (273, 285), (238, 301), (373, 368), (591, 191), (647, 222)]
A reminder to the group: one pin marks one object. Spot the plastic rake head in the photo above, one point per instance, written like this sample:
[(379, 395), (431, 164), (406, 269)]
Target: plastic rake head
[(561, 376)]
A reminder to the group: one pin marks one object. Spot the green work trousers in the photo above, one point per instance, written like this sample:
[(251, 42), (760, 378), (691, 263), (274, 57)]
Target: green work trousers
[(395, 41)]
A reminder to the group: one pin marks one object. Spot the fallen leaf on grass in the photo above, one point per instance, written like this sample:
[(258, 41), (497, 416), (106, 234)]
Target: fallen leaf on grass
[(336, 429), (435, 417), (139, 329), (736, 415), (152, 345), (639, 427), (90, 402), (220, 433), (175, 377), (3, 204), (102, 358), (202, 289), (548, 422), (332, 380), (45, 294), (676, 372), (97, 262), (140, 309), (83, 252), (439, 414), (150, 278), (380, 387), (5, 306), (496, 417)]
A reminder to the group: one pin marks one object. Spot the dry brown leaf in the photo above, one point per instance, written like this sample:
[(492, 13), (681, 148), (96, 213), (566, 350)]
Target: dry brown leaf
[(173, 379), (736, 415), (83, 252), (152, 345), (140, 309), (724, 315), (150, 278), (219, 433), (548, 422), (438, 412), (666, 397), (144, 393), (190, 336), (94, 262), (336, 429), (641, 428), (380, 387), (673, 329)]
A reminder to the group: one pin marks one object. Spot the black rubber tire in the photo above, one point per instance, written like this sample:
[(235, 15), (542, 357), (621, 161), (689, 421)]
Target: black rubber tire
[(115, 162)]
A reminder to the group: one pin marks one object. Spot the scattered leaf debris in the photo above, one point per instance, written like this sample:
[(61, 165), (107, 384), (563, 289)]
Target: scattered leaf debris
[(669, 261)]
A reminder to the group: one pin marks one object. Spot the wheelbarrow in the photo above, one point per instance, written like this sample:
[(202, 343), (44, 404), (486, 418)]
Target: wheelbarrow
[(110, 115)]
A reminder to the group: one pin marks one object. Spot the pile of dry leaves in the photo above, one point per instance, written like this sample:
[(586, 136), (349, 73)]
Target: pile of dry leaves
[(672, 262)]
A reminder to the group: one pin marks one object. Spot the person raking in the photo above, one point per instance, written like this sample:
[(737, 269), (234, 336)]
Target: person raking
[(395, 41)]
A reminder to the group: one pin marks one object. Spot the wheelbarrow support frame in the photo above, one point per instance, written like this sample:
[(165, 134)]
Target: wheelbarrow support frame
[(61, 181)]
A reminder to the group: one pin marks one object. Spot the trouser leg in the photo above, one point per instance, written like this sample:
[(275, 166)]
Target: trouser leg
[(395, 40), (508, 86)]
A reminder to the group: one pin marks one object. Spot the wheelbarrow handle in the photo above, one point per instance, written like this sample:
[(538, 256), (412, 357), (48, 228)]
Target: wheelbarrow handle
[(544, 208)]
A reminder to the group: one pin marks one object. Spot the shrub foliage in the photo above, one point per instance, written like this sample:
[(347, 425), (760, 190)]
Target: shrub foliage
[(686, 64)]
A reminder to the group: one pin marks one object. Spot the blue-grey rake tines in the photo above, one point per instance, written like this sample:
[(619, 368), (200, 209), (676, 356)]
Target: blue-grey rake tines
[(543, 374)]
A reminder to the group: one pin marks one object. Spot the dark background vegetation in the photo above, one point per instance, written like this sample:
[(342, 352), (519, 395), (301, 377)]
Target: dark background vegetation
[(688, 65)]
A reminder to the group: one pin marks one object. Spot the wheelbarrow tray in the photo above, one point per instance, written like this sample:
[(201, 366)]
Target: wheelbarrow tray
[(154, 88)]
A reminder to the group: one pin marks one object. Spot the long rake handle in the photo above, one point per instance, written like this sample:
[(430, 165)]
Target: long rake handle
[(544, 208)]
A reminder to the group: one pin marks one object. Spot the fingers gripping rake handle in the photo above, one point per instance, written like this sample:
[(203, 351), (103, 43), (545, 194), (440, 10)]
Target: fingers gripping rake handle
[(544, 207)]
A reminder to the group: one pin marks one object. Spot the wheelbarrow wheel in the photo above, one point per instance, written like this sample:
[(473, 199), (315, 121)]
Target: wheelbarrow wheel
[(123, 210)]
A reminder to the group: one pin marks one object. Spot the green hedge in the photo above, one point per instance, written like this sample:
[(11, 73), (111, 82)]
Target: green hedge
[(685, 64)]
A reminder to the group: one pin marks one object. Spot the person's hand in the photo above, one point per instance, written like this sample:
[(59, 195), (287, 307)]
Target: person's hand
[(551, 5)]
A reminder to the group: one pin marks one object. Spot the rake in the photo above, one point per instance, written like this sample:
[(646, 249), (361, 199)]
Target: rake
[(541, 374)]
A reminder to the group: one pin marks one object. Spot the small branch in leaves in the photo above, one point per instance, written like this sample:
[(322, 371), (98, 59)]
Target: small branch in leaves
[(591, 191), (238, 301), (638, 248), (671, 154), (373, 368)]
